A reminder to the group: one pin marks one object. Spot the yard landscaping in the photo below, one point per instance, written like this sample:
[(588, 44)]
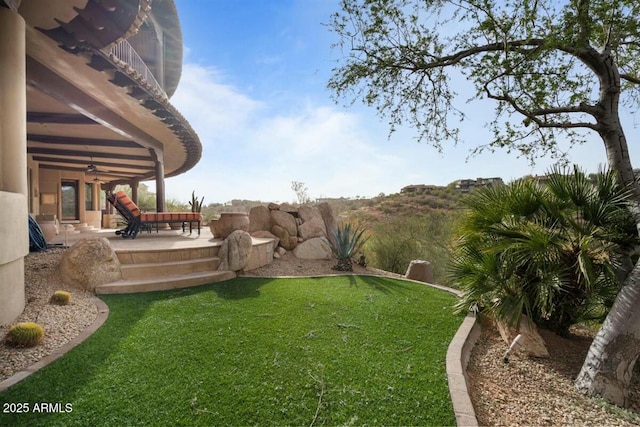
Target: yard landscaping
[(345, 350)]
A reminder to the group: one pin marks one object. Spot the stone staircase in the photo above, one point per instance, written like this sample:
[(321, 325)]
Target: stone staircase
[(146, 270)]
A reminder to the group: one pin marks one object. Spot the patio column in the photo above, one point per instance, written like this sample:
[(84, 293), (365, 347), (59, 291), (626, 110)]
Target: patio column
[(159, 161), (14, 245), (108, 188), (134, 190)]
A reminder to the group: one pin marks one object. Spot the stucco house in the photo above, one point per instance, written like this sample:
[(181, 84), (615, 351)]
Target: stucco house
[(84, 106)]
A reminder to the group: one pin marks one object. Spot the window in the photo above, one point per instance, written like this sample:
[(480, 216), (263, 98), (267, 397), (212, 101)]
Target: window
[(88, 196), (69, 191)]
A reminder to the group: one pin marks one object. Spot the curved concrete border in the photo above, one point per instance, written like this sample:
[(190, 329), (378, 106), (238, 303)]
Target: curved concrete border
[(458, 355), (101, 317)]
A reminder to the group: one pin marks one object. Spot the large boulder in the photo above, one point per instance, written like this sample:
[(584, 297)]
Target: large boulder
[(286, 221), (316, 248), (90, 263), (235, 251), (420, 270), (329, 220), (287, 241), (288, 207), (308, 213), (531, 342), (312, 228), (259, 219)]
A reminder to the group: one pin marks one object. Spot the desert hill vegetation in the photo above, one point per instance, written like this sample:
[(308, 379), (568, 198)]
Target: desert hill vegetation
[(400, 227)]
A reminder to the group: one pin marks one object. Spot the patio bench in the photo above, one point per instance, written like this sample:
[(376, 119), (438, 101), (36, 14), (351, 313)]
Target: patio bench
[(137, 220)]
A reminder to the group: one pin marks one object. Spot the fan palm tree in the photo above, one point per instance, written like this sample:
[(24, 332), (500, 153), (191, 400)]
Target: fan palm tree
[(548, 249)]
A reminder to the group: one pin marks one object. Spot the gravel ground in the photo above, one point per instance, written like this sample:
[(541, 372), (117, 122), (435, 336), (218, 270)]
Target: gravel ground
[(524, 392), (539, 392), (60, 323)]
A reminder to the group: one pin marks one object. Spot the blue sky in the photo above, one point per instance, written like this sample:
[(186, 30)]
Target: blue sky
[(254, 88)]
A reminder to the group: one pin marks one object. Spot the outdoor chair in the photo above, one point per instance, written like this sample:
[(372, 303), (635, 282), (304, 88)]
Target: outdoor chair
[(137, 220)]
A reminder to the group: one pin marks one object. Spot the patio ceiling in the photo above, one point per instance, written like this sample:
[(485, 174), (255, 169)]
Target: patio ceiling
[(88, 113)]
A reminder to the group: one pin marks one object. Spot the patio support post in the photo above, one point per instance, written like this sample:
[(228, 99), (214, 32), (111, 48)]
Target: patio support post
[(159, 161), (134, 190), (14, 245), (108, 188)]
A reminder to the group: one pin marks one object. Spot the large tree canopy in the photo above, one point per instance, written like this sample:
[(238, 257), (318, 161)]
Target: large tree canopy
[(546, 63), (555, 68)]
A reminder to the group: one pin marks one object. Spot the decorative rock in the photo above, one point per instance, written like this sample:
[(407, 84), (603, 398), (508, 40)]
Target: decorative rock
[(235, 251), (276, 255), (531, 342), (273, 207), (259, 219), (329, 220), (312, 228), (286, 207), (286, 221), (308, 213), (90, 263), (266, 235), (280, 250), (284, 236), (420, 270), (228, 223), (316, 248)]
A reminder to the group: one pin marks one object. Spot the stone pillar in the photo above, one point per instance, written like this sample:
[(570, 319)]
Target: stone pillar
[(134, 190), (108, 189), (14, 244), (159, 185)]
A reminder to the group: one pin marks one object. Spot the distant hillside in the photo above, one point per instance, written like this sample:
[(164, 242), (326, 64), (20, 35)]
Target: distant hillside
[(363, 209), (397, 205)]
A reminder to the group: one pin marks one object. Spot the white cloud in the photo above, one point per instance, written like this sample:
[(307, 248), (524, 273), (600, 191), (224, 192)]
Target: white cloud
[(254, 148)]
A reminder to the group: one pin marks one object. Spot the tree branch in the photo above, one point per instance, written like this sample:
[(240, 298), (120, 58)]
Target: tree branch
[(630, 78), (539, 116)]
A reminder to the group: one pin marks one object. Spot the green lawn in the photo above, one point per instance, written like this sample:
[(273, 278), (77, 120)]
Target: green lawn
[(329, 351)]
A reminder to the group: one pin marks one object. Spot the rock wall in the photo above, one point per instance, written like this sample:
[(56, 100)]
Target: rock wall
[(308, 226)]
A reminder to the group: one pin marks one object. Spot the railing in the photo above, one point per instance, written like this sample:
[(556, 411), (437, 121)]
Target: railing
[(125, 53)]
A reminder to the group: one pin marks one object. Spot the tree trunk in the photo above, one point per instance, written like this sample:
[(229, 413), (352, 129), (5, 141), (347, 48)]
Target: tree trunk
[(608, 367)]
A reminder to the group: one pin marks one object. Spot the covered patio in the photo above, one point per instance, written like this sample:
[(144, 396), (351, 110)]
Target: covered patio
[(85, 106)]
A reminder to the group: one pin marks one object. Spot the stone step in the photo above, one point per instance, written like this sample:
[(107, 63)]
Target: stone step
[(162, 270), (150, 256), (165, 283)]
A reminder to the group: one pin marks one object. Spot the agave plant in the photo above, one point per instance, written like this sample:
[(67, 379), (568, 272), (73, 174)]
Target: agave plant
[(348, 242), (554, 250)]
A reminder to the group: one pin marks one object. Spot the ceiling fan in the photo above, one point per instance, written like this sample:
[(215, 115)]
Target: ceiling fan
[(91, 167)]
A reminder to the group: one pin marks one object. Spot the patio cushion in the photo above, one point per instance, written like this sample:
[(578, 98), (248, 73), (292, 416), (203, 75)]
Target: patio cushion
[(171, 217), (128, 203)]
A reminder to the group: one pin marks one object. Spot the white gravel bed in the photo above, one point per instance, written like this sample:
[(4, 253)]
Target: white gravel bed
[(61, 323)]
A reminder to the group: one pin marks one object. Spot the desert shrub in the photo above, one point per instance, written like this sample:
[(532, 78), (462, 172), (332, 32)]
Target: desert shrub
[(25, 334), (349, 239), (61, 298), (397, 241)]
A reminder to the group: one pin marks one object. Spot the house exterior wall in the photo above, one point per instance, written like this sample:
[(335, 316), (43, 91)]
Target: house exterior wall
[(14, 244)]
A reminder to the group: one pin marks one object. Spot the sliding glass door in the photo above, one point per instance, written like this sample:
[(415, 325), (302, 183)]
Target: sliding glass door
[(70, 200)]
